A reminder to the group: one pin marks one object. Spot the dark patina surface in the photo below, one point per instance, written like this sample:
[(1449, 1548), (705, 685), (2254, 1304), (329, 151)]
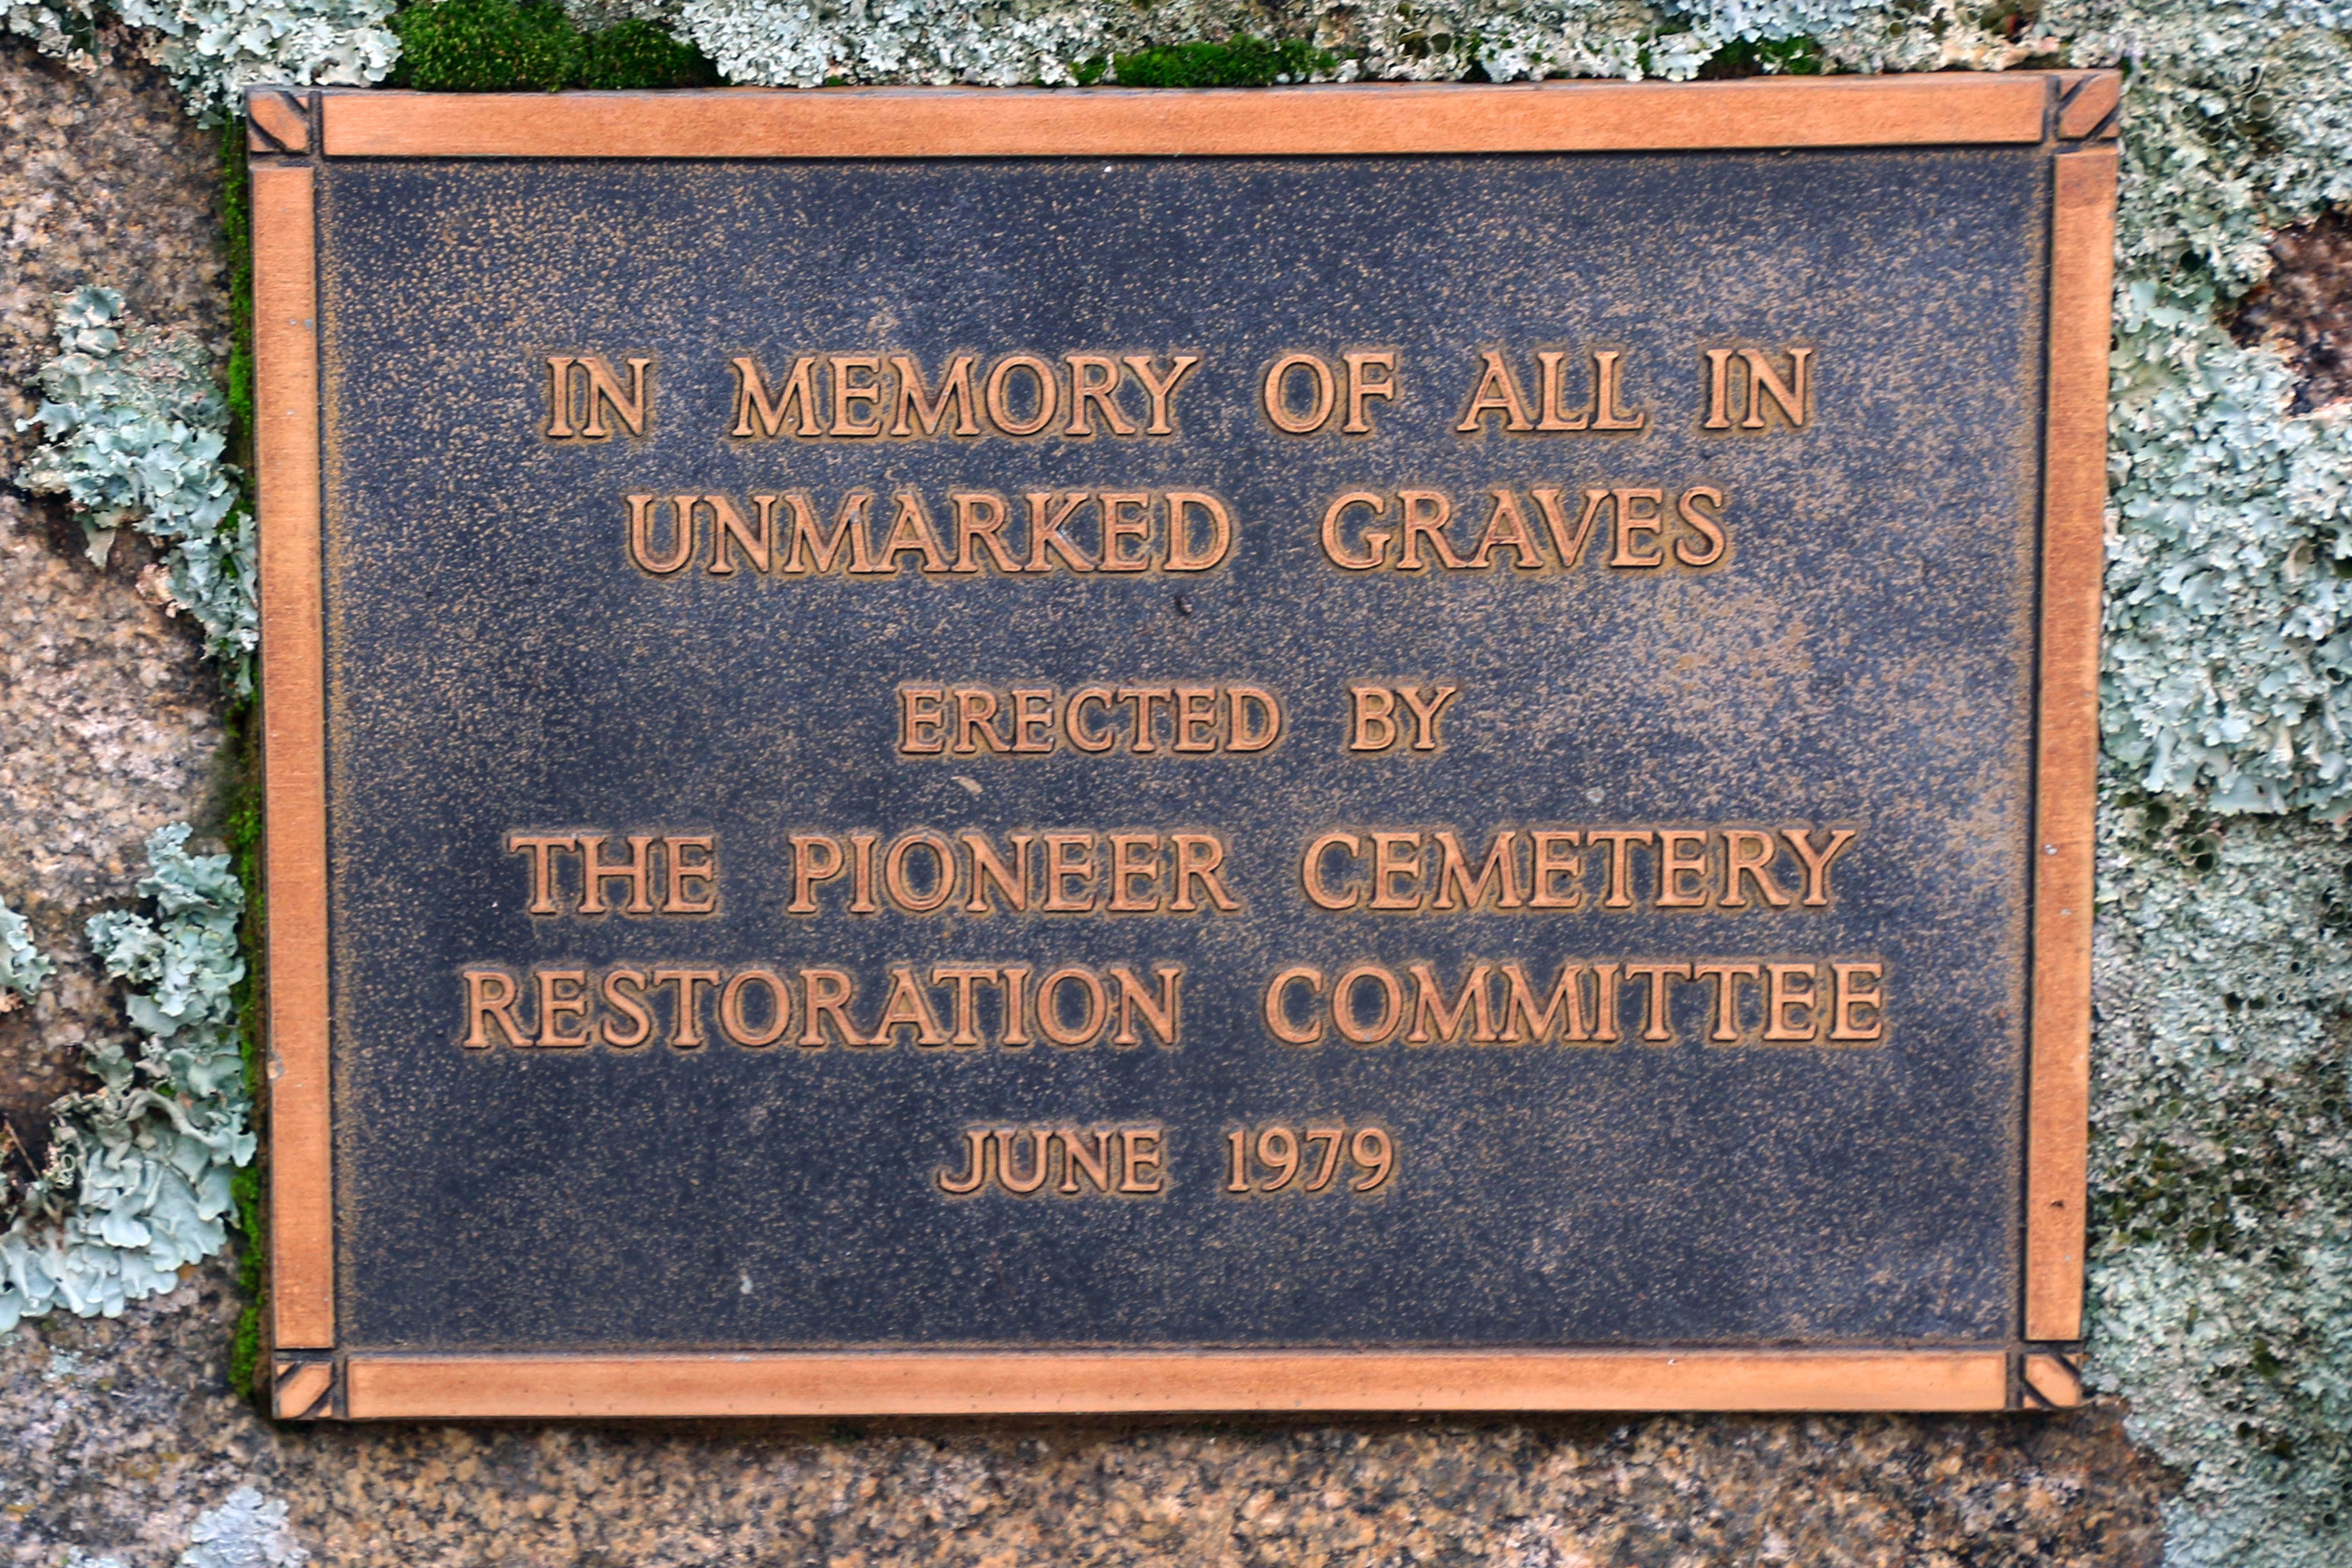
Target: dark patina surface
[(1864, 658)]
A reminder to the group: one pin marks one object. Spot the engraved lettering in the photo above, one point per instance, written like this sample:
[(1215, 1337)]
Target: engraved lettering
[(1607, 378), (1094, 387), (1363, 386), (1794, 396), (753, 400), (642, 516), (975, 1169), (1817, 861), (1161, 389), (589, 384), (1789, 1005), (1323, 394), (1498, 392), (915, 410), (855, 381), (734, 1016), (490, 995), (1858, 986), (686, 1009), (1043, 399)]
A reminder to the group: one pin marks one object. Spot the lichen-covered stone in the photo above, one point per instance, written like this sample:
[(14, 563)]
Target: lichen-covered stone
[(2222, 1310), (213, 49), (135, 1185), (110, 723), (109, 729), (2304, 309), (2223, 1256), (248, 1531), (135, 432), (23, 965), (108, 181), (2230, 576)]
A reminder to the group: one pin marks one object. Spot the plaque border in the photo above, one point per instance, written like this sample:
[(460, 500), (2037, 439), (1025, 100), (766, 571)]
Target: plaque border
[(1354, 120), (287, 418), (2074, 113), (2067, 773)]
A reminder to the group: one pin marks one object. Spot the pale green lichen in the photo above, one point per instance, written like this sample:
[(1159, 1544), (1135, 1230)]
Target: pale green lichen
[(213, 49), (2221, 1267), (246, 1532), (2227, 585), (2229, 578), (136, 1182), (23, 966), (135, 429), (807, 43)]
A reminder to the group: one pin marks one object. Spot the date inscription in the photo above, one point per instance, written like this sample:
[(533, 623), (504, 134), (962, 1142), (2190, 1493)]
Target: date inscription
[(1275, 1159)]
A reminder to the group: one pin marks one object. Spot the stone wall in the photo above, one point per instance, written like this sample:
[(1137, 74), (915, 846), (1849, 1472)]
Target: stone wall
[(2222, 1247), (138, 1433), (110, 727)]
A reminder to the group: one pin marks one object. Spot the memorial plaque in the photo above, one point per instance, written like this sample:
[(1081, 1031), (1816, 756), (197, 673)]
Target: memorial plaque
[(1355, 748)]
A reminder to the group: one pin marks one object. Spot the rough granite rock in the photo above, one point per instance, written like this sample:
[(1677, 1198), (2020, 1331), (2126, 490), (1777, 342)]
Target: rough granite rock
[(109, 726), (106, 181), (114, 1436), (140, 1434)]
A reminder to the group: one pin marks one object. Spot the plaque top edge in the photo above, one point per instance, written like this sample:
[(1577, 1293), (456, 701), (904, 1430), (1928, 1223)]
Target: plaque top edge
[(1374, 118)]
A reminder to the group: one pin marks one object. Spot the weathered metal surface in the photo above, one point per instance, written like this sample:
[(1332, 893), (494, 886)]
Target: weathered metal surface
[(1862, 657)]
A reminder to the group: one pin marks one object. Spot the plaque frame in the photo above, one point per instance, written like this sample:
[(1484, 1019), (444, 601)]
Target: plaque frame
[(2074, 114)]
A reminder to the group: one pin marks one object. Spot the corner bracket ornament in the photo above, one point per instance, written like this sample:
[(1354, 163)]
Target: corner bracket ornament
[(2088, 107), (302, 1388), (2049, 1378), (277, 120)]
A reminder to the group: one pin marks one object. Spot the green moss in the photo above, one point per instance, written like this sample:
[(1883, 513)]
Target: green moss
[(636, 54), (498, 46), (1764, 57), (241, 830), (1239, 61), (245, 1339), (236, 237), (241, 813), (487, 45)]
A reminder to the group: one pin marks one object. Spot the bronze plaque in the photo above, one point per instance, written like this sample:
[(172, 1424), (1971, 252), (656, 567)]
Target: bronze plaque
[(1334, 749)]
